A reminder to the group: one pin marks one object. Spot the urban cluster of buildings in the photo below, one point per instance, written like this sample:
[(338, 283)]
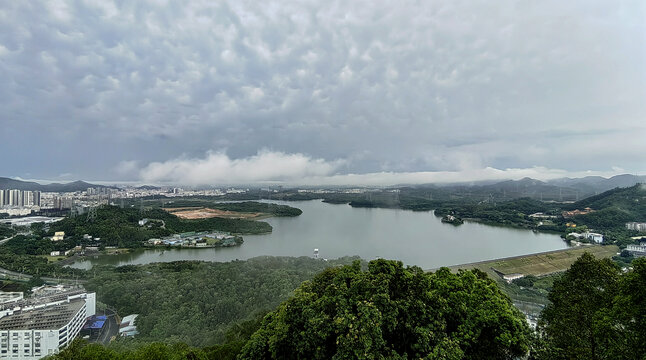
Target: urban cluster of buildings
[(639, 226), (197, 239), (19, 198), (35, 327), (590, 236)]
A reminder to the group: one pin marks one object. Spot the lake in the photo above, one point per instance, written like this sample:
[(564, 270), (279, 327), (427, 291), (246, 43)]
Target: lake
[(415, 238)]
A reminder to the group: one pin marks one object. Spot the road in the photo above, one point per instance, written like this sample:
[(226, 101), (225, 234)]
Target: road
[(110, 329), (13, 275), (9, 238)]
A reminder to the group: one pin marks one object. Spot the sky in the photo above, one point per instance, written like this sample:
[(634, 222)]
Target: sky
[(330, 92)]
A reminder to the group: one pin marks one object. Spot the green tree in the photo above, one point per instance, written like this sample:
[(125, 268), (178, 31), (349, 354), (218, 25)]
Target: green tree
[(575, 324), (628, 317), (392, 312)]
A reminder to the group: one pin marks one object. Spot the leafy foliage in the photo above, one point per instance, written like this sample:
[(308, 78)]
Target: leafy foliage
[(119, 227), (514, 212), (392, 312), (81, 350), (595, 313), (615, 207), (6, 231), (195, 302), (25, 254)]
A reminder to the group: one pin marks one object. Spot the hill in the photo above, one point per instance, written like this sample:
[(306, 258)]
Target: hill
[(614, 207), (8, 183)]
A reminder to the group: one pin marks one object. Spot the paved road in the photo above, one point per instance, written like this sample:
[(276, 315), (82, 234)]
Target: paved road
[(9, 238), (110, 329), (13, 275)]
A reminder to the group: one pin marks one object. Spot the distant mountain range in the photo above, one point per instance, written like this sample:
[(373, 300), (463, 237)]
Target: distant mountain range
[(7, 183), (564, 188)]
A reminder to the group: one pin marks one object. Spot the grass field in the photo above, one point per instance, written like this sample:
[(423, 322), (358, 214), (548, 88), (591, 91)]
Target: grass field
[(541, 264), (546, 266)]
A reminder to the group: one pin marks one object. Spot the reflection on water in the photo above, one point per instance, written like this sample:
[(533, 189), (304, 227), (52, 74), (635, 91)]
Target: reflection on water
[(416, 238)]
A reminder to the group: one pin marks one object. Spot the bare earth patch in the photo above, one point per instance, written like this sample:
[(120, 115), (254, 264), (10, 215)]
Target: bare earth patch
[(205, 213)]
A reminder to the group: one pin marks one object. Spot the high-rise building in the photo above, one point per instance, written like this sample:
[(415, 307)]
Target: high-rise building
[(2, 198), (27, 198), (36, 195), (63, 203), (15, 198)]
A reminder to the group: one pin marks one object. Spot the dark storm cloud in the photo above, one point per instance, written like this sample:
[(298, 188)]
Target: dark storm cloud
[(92, 87)]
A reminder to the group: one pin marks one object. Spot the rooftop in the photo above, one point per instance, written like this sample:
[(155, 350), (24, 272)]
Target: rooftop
[(50, 318)]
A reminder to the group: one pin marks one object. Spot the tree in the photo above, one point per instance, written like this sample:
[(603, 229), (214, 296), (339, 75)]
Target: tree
[(393, 312), (575, 324), (628, 317)]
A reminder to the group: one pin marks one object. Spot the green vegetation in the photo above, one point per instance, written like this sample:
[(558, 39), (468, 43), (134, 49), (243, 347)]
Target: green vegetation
[(514, 212), (541, 269), (24, 253), (119, 227), (195, 302), (6, 231), (595, 312), (389, 312), (392, 312), (614, 208), (81, 350)]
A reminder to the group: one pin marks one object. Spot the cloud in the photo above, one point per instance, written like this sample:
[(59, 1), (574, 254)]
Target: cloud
[(217, 168), (421, 86)]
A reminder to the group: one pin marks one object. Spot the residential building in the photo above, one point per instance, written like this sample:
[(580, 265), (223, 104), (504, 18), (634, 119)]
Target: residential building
[(637, 250), (128, 326), (40, 326), (639, 226), (58, 236), (597, 238), (9, 297), (15, 198), (511, 277)]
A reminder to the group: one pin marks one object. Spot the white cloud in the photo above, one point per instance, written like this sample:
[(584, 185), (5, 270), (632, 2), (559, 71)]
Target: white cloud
[(218, 168), (430, 85)]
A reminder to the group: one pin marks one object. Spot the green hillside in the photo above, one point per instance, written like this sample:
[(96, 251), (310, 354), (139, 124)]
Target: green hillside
[(614, 208)]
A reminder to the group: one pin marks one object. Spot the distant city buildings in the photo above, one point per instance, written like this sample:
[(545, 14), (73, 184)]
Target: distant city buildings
[(19, 198), (26, 202), (595, 237), (639, 226), (637, 250), (32, 328)]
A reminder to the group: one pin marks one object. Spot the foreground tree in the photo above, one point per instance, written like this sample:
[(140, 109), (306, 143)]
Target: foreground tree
[(628, 317), (392, 312), (577, 324)]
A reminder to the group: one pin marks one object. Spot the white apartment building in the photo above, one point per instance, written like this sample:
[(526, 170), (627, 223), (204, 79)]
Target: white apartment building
[(639, 226), (597, 238), (34, 328)]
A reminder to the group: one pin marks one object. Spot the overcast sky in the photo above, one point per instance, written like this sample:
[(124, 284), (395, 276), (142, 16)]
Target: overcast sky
[(206, 92)]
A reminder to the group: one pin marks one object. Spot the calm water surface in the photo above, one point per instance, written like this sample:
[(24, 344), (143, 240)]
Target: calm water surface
[(416, 238)]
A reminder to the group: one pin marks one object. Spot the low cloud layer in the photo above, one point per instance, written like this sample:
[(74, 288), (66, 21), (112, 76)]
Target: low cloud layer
[(392, 87), (217, 168)]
